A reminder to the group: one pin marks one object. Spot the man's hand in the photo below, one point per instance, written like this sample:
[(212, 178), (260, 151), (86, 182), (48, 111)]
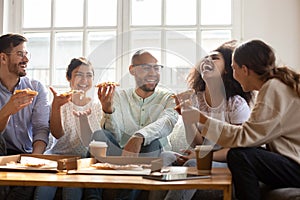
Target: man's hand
[(133, 146), (105, 95), (19, 101), (16, 102)]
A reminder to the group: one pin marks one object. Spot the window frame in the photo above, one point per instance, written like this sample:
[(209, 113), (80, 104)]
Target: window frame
[(12, 20)]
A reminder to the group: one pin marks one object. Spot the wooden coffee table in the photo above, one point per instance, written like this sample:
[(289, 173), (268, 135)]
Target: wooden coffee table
[(220, 180)]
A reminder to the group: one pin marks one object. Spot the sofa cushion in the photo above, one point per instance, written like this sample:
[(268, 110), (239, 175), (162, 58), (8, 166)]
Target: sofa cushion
[(284, 194), (281, 194)]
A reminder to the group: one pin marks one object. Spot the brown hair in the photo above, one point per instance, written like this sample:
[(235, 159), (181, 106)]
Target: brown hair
[(76, 62), (9, 41), (260, 57)]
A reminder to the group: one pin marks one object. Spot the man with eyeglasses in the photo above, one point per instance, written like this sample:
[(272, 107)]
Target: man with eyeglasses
[(138, 119), (24, 117)]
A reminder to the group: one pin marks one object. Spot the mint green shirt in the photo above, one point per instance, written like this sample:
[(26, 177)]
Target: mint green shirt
[(154, 117)]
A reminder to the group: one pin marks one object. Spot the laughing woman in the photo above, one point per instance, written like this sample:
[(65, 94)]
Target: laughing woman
[(218, 95)]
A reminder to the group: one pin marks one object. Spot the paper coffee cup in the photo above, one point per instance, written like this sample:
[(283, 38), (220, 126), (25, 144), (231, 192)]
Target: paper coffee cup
[(98, 148), (204, 156)]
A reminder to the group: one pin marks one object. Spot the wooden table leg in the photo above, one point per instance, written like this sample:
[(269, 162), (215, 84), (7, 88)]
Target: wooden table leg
[(227, 193)]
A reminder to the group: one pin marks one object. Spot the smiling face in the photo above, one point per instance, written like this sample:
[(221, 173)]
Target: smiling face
[(82, 78), (212, 66), (146, 76), (17, 61)]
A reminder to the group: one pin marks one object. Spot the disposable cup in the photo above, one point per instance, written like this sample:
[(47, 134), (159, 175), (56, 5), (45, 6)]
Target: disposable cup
[(98, 149), (204, 156)]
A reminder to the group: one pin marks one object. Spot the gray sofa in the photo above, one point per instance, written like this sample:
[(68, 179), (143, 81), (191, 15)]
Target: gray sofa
[(177, 141)]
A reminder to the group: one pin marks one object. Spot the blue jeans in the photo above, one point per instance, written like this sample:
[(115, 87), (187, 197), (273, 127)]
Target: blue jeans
[(92, 194), (16, 192), (152, 150), (13, 192), (249, 166), (48, 193)]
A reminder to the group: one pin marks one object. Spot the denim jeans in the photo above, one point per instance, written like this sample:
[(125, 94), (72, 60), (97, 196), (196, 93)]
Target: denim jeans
[(152, 150), (92, 194), (16, 192), (48, 193), (13, 192)]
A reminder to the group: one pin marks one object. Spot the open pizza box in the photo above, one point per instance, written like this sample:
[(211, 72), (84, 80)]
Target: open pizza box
[(38, 162), (118, 165)]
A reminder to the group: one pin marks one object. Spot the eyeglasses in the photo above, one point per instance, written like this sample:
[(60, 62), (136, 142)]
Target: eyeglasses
[(148, 67), (21, 54)]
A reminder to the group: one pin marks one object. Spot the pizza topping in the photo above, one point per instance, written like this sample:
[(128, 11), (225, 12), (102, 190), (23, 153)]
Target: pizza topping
[(108, 83), (27, 161), (81, 92), (108, 166)]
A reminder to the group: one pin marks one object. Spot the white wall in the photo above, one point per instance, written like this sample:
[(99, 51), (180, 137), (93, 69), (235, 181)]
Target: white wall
[(277, 22), (1, 16)]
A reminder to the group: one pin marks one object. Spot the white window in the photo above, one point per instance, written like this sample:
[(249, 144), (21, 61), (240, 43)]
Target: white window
[(177, 32)]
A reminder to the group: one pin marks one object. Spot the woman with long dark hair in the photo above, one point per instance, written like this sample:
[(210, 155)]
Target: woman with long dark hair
[(217, 94)]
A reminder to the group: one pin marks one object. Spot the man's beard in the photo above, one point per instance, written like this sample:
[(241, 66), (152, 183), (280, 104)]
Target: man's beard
[(147, 89), (21, 74), (15, 69)]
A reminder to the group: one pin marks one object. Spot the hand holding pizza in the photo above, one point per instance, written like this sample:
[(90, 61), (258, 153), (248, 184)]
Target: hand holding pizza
[(19, 100), (59, 99), (105, 94)]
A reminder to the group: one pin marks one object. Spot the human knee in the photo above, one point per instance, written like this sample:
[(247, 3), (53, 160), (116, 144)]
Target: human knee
[(99, 135), (237, 156), (190, 163), (155, 144)]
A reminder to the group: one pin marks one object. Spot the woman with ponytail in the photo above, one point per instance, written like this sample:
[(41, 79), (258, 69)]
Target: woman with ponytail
[(274, 122)]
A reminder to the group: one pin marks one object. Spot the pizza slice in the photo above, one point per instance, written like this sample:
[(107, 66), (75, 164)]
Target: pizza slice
[(81, 92), (109, 166), (108, 83), (28, 91)]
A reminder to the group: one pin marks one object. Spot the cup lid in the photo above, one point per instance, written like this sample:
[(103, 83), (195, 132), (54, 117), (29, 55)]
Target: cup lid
[(98, 143), (204, 147)]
